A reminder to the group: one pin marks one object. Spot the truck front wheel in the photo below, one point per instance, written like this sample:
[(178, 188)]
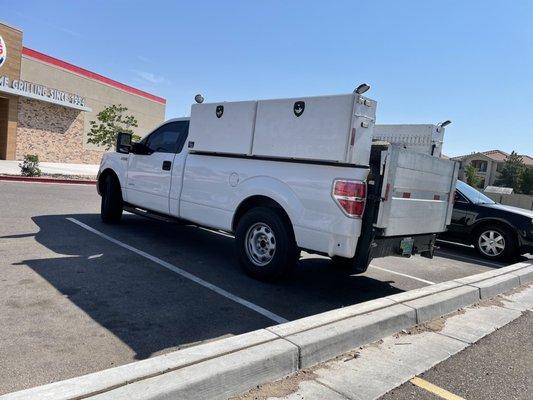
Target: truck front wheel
[(265, 244), (111, 206)]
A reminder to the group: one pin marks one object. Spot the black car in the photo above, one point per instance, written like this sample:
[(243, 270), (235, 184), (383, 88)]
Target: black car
[(498, 232)]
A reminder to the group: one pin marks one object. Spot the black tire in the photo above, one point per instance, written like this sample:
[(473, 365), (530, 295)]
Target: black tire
[(346, 265), (111, 205), (343, 264), (259, 226), (501, 236)]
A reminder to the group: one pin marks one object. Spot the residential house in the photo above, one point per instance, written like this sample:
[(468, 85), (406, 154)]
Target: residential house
[(488, 164)]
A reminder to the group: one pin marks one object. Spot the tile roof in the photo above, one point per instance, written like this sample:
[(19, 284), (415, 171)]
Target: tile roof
[(527, 159), (498, 156)]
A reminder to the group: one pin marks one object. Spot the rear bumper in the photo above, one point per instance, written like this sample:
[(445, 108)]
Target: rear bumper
[(390, 246)]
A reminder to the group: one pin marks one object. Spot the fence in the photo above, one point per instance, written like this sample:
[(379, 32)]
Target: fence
[(516, 200)]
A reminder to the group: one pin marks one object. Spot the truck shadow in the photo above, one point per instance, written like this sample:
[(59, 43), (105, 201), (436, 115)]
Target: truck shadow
[(151, 309)]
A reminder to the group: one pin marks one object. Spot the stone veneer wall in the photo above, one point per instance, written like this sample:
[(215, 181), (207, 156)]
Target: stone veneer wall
[(53, 132)]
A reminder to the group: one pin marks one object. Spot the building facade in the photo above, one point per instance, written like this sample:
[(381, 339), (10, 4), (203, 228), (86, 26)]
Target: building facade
[(488, 165), (46, 104)]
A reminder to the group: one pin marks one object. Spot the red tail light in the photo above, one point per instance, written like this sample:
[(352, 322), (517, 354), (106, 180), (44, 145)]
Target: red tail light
[(350, 196)]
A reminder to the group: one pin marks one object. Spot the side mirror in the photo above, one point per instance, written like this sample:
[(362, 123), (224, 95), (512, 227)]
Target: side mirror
[(123, 143)]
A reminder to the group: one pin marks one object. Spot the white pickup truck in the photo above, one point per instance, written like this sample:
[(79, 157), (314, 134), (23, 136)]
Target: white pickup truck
[(286, 175)]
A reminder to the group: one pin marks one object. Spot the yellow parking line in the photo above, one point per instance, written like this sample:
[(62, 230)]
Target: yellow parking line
[(421, 383)]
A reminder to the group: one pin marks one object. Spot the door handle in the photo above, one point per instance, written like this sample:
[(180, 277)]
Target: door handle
[(167, 165)]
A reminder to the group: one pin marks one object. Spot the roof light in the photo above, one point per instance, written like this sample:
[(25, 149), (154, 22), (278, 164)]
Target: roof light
[(362, 88)]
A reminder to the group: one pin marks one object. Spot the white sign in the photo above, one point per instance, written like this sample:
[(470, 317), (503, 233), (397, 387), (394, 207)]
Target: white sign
[(3, 51), (40, 92)]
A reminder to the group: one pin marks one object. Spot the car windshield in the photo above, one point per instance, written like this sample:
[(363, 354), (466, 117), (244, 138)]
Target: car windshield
[(474, 195)]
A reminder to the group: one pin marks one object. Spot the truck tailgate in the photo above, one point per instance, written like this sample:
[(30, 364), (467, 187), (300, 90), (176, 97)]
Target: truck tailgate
[(417, 192)]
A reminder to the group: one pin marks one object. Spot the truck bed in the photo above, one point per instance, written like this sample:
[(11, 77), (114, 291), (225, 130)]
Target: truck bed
[(215, 185)]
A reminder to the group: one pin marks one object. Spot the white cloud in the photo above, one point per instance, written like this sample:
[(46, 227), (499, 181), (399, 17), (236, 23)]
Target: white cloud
[(150, 77), (145, 59)]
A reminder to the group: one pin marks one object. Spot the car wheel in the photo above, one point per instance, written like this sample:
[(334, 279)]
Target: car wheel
[(111, 205), (496, 243), (266, 247)]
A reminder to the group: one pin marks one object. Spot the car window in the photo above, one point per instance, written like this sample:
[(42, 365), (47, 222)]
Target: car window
[(474, 195), (168, 138), (459, 198)]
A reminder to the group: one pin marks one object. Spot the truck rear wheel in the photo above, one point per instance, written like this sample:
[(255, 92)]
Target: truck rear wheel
[(111, 205), (265, 244), (347, 265)]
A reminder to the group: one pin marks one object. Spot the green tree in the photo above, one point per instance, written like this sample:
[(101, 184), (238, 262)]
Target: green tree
[(110, 121), (526, 181), (471, 175), (511, 172)]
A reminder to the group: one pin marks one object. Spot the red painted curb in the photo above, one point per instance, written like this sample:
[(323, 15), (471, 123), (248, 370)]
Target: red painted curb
[(45, 180)]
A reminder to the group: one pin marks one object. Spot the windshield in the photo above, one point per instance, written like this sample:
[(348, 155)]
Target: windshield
[(472, 194)]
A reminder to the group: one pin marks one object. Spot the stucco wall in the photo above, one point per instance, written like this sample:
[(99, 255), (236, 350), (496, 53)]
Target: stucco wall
[(515, 199), (53, 132), (98, 95)]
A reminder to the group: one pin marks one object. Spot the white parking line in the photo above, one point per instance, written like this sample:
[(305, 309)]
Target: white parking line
[(185, 274), (470, 259), (399, 273)]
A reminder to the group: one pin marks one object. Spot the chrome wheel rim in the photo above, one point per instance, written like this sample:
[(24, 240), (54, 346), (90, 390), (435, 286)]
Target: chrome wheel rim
[(260, 244), (491, 243)]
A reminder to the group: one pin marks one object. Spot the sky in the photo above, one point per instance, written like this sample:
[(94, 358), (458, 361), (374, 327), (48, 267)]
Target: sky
[(426, 61)]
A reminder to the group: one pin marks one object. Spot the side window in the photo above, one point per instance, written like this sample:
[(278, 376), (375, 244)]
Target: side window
[(183, 130), (168, 138), (459, 198)]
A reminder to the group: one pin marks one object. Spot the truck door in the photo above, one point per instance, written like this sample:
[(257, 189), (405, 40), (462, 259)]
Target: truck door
[(149, 176)]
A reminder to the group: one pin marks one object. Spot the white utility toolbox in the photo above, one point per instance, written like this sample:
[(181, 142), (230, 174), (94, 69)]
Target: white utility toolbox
[(335, 129), (422, 138), (225, 128)]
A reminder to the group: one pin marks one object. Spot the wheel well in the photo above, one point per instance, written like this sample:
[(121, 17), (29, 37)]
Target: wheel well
[(495, 223), (103, 176), (258, 201)]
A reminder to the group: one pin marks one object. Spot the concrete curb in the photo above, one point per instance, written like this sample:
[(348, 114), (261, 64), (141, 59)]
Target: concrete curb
[(228, 367), (15, 178)]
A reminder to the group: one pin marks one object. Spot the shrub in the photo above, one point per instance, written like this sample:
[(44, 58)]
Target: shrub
[(30, 165)]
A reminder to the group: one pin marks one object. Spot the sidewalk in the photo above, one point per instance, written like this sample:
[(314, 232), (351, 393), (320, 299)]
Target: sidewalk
[(49, 168), (500, 363), (499, 366)]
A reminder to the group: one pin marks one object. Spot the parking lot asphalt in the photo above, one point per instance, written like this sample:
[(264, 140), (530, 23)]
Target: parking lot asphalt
[(499, 366), (78, 296)]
